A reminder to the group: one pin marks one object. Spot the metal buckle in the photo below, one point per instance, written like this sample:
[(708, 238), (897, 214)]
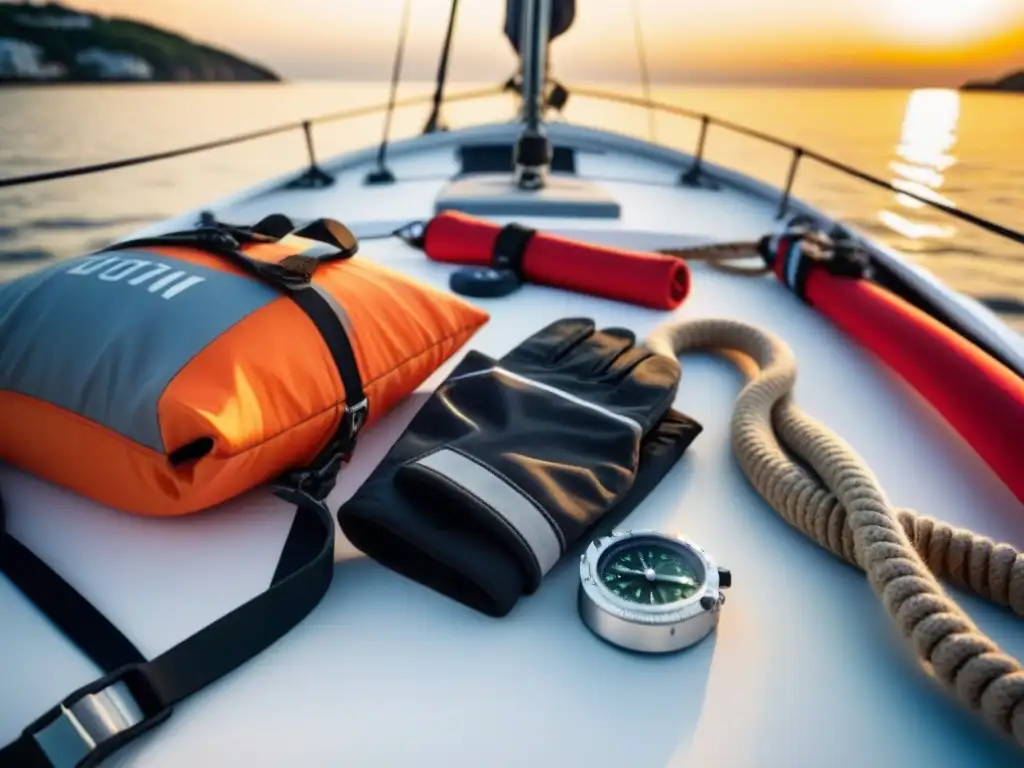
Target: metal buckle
[(357, 417), (411, 233), (218, 237), (314, 484), (78, 730), (311, 484), (284, 275)]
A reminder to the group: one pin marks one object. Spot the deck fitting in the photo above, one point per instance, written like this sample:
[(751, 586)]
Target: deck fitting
[(313, 177), (380, 176), (696, 178)]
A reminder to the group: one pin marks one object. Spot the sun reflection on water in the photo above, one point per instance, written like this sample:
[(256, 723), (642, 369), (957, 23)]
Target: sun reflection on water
[(924, 155)]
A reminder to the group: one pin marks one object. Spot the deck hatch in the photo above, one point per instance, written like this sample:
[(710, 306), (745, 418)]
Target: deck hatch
[(497, 158)]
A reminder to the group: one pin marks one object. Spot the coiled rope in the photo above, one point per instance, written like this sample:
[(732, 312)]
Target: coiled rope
[(846, 511)]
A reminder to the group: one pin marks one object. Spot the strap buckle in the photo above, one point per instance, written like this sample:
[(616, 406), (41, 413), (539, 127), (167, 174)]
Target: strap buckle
[(356, 415), (837, 251), (312, 484), (92, 722), (293, 273)]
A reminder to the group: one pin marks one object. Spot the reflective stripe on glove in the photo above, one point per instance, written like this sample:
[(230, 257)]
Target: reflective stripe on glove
[(509, 462)]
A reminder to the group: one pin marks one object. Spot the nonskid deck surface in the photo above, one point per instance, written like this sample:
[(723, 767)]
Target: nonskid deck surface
[(804, 670)]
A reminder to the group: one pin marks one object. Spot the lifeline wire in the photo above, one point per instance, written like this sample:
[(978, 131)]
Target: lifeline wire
[(847, 513)]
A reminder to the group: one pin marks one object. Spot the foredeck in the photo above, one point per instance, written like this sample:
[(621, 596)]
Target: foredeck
[(804, 670)]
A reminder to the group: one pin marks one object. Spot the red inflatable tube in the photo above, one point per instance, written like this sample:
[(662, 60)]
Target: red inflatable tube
[(647, 279), (980, 397)]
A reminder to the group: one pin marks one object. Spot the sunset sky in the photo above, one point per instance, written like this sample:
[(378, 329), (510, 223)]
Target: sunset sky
[(809, 42)]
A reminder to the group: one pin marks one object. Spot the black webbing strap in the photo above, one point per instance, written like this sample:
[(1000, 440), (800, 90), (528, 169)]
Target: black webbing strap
[(510, 247), (73, 615), (293, 276), (317, 479), (134, 694), (797, 252)]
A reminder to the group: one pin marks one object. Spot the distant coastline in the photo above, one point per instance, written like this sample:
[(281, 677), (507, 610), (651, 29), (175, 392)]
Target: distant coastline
[(1011, 83), (53, 44), (15, 83)]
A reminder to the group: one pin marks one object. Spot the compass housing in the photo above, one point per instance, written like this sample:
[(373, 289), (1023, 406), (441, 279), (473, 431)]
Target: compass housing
[(649, 628)]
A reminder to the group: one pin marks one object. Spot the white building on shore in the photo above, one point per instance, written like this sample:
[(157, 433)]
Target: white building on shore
[(24, 61), (114, 65)]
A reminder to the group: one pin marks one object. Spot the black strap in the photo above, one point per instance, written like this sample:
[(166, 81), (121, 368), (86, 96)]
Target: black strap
[(293, 275), (800, 250), (510, 247), (318, 478), (150, 689), (154, 687), (73, 615)]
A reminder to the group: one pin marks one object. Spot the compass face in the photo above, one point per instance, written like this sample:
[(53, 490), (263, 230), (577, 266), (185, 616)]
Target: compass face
[(650, 572)]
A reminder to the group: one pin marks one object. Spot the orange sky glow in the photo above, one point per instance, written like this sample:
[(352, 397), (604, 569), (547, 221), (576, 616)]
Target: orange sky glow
[(800, 42)]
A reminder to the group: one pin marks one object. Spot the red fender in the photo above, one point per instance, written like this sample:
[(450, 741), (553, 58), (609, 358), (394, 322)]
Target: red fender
[(980, 397), (647, 279)]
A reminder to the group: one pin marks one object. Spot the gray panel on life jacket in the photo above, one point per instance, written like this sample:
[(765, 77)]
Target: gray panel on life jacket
[(104, 335)]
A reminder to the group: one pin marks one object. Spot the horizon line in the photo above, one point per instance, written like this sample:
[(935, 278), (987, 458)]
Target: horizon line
[(707, 82)]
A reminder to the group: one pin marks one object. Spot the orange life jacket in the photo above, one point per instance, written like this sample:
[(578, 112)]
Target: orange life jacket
[(166, 375)]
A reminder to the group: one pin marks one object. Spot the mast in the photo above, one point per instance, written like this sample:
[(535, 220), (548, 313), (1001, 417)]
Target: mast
[(532, 154)]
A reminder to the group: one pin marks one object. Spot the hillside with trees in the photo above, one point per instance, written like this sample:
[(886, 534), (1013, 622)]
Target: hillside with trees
[(54, 43)]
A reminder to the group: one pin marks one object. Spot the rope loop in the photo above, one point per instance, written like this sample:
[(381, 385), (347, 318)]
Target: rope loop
[(841, 506)]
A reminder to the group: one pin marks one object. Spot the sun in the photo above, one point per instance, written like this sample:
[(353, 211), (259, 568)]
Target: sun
[(947, 21)]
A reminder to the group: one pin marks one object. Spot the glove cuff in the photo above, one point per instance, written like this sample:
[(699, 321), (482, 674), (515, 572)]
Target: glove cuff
[(487, 498), (413, 526)]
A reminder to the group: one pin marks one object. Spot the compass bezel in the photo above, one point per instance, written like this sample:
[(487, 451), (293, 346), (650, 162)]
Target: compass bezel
[(670, 613), (640, 627)]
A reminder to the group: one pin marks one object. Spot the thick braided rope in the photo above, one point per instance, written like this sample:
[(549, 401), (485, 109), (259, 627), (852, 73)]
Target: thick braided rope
[(902, 553)]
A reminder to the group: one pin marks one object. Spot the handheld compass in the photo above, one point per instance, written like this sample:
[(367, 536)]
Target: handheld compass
[(649, 591)]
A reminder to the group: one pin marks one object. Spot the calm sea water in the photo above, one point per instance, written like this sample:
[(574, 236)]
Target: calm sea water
[(961, 149)]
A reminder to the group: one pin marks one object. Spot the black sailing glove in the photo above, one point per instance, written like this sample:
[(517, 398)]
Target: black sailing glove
[(510, 461)]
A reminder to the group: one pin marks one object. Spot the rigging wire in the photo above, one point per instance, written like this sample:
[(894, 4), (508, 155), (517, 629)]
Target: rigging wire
[(434, 121), (645, 77), (382, 175)]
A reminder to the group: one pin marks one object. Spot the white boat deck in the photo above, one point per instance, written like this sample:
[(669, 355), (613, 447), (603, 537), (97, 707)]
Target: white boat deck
[(804, 670)]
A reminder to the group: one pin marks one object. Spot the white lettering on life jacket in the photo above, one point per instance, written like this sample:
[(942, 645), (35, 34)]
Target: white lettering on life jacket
[(160, 277)]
